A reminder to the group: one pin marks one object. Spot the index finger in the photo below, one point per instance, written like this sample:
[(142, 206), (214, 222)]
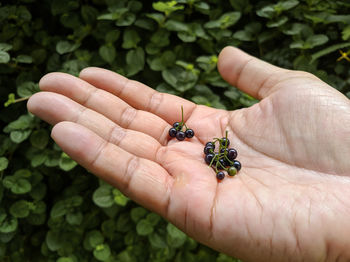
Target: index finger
[(138, 95)]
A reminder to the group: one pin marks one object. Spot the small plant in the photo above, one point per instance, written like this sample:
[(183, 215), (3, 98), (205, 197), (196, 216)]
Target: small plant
[(176, 130), (222, 160)]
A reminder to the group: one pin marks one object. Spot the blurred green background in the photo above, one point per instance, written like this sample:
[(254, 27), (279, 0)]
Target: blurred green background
[(54, 210)]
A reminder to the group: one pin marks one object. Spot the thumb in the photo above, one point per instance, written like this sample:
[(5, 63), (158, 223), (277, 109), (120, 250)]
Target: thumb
[(249, 74)]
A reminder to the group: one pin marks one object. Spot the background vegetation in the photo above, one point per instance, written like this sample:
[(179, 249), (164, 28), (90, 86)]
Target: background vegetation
[(51, 209)]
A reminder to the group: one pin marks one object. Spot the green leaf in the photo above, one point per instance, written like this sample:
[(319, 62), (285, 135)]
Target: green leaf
[(74, 219), (25, 59), (130, 39), (316, 40), (64, 47), (112, 36), (66, 163), (137, 213), (95, 238), (180, 79), (135, 61), (103, 196), (5, 47), (126, 20), (18, 136), (89, 13), (20, 209), (102, 252), (176, 238), (173, 25), (17, 185), (289, 4), (167, 7), (295, 29), (153, 219), (4, 57), (243, 35), (346, 33), (38, 159), (225, 21), (27, 89), (54, 240), (119, 198), (157, 241), (39, 138), (277, 22), (144, 227), (159, 18), (3, 163), (267, 11), (59, 209), (8, 225), (108, 53)]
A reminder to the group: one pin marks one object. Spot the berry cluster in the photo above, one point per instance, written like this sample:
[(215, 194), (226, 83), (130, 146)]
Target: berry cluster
[(224, 159), (176, 130)]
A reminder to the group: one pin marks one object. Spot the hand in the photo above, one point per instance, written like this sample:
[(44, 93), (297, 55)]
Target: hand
[(291, 199)]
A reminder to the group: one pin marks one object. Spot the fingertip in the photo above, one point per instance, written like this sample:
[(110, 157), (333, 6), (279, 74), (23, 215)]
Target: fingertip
[(230, 58), (31, 103), (91, 71), (74, 139)]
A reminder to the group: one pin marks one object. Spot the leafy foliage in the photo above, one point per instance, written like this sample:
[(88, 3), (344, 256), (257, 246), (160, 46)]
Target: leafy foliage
[(54, 210)]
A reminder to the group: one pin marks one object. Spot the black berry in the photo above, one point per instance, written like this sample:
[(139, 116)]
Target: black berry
[(220, 175), (231, 153), (189, 133), (172, 132), (208, 149), (225, 142), (223, 150), (208, 158), (221, 164), (237, 165), (210, 144), (180, 135), (228, 163), (177, 126)]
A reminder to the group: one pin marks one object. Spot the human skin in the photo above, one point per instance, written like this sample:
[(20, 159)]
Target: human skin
[(289, 202)]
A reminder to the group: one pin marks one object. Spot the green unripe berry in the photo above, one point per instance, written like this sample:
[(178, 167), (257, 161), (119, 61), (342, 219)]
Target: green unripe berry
[(232, 171)]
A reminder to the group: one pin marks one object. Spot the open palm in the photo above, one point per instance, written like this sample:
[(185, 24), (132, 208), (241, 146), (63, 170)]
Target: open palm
[(289, 202)]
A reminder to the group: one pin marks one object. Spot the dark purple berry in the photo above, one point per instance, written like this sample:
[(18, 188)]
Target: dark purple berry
[(221, 164), (177, 126), (225, 142), (237, 165), (172, 132), (208, 158), (223, 150), (208, 149), (180, 135), (228, 163), (220, 175), (210, 144), (189, 133), (231, 153)]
